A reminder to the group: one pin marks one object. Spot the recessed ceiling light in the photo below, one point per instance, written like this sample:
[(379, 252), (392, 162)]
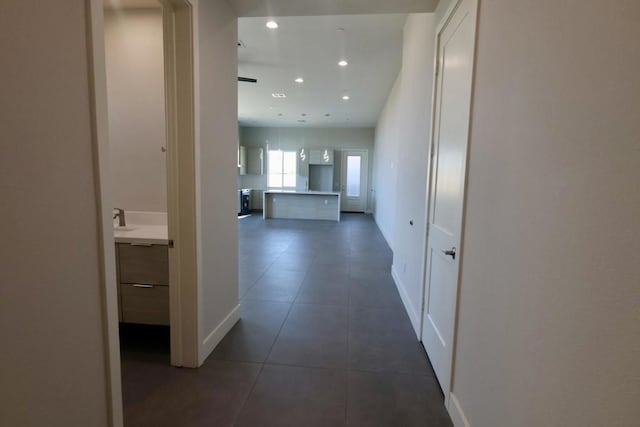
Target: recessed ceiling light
[(278, 95), (343, 63), (346, 97), (299, 80), (272, 25)]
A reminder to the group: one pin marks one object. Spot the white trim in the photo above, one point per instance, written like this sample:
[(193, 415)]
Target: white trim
[(214, 338), (456, 413), (406, 301), (100, 137), (179, 18)]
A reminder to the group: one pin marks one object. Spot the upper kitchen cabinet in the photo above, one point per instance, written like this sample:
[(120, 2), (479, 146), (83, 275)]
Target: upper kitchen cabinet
[(255, 161), (242, 160), (321, 157)]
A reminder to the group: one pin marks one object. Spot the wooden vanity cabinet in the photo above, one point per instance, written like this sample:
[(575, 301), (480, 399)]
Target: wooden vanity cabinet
[(143, 283)]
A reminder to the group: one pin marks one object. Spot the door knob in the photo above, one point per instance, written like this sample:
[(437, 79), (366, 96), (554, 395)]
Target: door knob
[(450, 252)]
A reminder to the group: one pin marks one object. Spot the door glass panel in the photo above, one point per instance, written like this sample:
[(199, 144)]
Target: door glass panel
[(353, 176)]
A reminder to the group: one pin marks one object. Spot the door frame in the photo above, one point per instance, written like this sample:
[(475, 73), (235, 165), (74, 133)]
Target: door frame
[(343, 178), (182, 114), (440, 26), (180, 97)]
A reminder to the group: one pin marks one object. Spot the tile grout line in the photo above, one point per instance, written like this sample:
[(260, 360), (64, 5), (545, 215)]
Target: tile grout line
[(286, 317), (246, 398), (261, 275), (348, 369), (255, 382)]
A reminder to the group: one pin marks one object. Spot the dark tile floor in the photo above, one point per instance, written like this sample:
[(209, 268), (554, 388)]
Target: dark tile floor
[(323, 340)]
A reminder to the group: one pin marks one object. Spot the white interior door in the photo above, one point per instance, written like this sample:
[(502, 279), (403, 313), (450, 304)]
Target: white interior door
[(355, 164), (455, 51)]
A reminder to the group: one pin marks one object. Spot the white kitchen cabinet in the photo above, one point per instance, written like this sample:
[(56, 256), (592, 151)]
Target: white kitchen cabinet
[(242, 160), (256, 200), (255, 161), (321, 157)]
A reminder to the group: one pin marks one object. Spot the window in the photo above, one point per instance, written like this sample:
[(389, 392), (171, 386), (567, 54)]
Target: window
[(282, 169), (353, 176)]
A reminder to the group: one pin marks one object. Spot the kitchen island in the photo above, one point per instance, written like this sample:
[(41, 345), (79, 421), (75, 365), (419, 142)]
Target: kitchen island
[(320, 205)]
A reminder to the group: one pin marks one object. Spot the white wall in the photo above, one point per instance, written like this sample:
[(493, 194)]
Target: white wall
[(402, 161), (549, 326), (52, 361), (135, 90), (310, 138), (385, 174), (217, 172)]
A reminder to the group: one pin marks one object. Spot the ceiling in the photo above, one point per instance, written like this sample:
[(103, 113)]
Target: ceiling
[(311, 47), (131, 4), (304, 7), (329, 7)]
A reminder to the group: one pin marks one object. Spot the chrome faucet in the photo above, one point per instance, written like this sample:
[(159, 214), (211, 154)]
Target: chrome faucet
[(120, 215)]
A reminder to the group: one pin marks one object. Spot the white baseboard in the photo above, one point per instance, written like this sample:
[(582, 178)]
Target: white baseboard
[(214, 338), (456, 413), (406, 301)]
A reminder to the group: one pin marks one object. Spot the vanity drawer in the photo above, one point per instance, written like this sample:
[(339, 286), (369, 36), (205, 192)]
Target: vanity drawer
[(147, 304), (147, 265)]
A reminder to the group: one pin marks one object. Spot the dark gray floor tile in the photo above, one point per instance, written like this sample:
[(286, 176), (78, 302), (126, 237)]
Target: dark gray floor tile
[(382, 340), (313, 335), (395, 400), (274, 289), (209, 396), (142, 373), (373, 294), (290, 396), (251, 339), (384, 323), (381, 354), (323, 274), (371, 271), (324, 293), (327, 277), (291, 276), (288, 263)]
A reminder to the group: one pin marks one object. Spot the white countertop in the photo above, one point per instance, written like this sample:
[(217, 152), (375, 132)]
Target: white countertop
[(316, 193), (142, 234)]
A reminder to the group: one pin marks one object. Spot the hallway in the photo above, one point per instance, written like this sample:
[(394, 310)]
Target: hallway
[(323, 340)]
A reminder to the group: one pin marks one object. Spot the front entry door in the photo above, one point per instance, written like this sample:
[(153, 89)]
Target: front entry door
[(450, 138), (354, 180)]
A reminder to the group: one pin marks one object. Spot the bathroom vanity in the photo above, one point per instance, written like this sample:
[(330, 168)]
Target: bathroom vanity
[(142, 266)]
